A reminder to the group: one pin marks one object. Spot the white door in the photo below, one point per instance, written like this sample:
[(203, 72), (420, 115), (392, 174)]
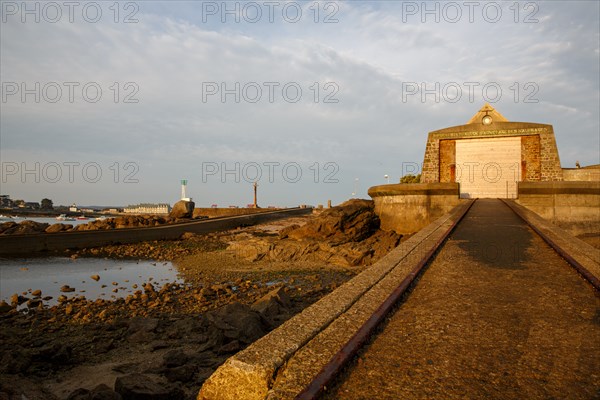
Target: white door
[(488, 168)]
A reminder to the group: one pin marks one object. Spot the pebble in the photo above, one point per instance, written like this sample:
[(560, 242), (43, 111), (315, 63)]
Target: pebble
[(67, 289), (95, 277)]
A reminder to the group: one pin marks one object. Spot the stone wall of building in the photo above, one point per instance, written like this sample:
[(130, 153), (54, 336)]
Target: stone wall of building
[(530, 158), (549, 161), (447, 160)]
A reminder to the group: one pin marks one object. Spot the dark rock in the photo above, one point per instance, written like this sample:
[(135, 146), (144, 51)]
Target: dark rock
[(183, 373), (103, 392), (15, 361), (5, 307), (353, 220), (140, 324), (79, 394), (238, 322), (182, 209), (231, 347), (142, 387), (34, 303), (67, 289), (175, 358)]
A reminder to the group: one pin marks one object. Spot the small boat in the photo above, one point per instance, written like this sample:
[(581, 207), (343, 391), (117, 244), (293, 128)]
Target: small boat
[(102, 218), (82, 218), (63, 217)]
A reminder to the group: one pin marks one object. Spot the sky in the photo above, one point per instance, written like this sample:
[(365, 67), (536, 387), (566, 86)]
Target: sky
[(113, 103)]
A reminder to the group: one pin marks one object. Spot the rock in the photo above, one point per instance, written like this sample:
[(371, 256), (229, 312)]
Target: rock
[(17, 300), (67, 289), (142, 387), (15, 361), (183, 373), (140, 324), (175, 358), (274, 303), (182, 209), (27, 227), (103, 392), (188, 235), (353, 220), (34, 303), (37, 293), (5, 307), (95, 277), (55, 228), (231, 347), (79, 394), (238, 322), (6, 226)]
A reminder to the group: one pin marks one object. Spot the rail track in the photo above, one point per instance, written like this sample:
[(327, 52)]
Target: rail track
[(496, 309)]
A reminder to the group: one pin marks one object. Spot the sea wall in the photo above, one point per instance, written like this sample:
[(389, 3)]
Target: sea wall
[(225, 212), (574, 206), (406, 208), (34, 243)]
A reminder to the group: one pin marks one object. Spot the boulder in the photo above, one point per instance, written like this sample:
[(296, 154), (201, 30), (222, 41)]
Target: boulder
[(182, 209), (238, 322), (27, 227), (5, 226), (55, 228), (352, 221)]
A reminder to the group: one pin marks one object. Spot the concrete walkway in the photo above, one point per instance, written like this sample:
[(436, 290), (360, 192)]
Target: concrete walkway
[(498, 314)]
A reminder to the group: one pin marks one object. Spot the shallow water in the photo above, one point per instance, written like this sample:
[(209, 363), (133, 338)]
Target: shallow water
[(19, 275)]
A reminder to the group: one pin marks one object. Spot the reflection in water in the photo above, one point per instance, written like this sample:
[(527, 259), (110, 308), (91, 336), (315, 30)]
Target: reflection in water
[(50, 274)]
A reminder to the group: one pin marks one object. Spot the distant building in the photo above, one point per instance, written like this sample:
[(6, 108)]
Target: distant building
[(73, 208), (5, 201), (32, 205), (146, 208)]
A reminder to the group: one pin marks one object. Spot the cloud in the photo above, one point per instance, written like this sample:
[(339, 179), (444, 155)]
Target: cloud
[(364, 62)]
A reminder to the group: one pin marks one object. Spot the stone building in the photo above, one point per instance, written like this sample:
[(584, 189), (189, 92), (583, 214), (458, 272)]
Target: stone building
[(489, 154), (146, 208), (491, 157)]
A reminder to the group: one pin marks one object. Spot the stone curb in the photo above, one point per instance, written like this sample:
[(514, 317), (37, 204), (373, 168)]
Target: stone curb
[(280, 364)]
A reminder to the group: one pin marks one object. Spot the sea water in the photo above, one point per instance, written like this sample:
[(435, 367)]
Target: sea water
[(24, 275)]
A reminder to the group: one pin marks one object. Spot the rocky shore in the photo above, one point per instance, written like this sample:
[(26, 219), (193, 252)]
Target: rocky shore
[(162, 342)]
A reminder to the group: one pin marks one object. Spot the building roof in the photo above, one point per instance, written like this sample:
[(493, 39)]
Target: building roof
[(487, 110)]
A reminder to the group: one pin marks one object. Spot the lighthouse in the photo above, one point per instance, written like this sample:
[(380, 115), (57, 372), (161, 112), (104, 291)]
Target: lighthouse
[(183, 186)]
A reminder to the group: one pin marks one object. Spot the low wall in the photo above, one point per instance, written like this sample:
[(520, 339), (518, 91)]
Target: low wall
[(406, 208), (226, 212), (587, 174), (32, 243), (574, 206)]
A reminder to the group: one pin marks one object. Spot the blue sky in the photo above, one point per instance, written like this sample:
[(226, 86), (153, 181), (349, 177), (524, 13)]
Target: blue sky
[(169, 74)]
